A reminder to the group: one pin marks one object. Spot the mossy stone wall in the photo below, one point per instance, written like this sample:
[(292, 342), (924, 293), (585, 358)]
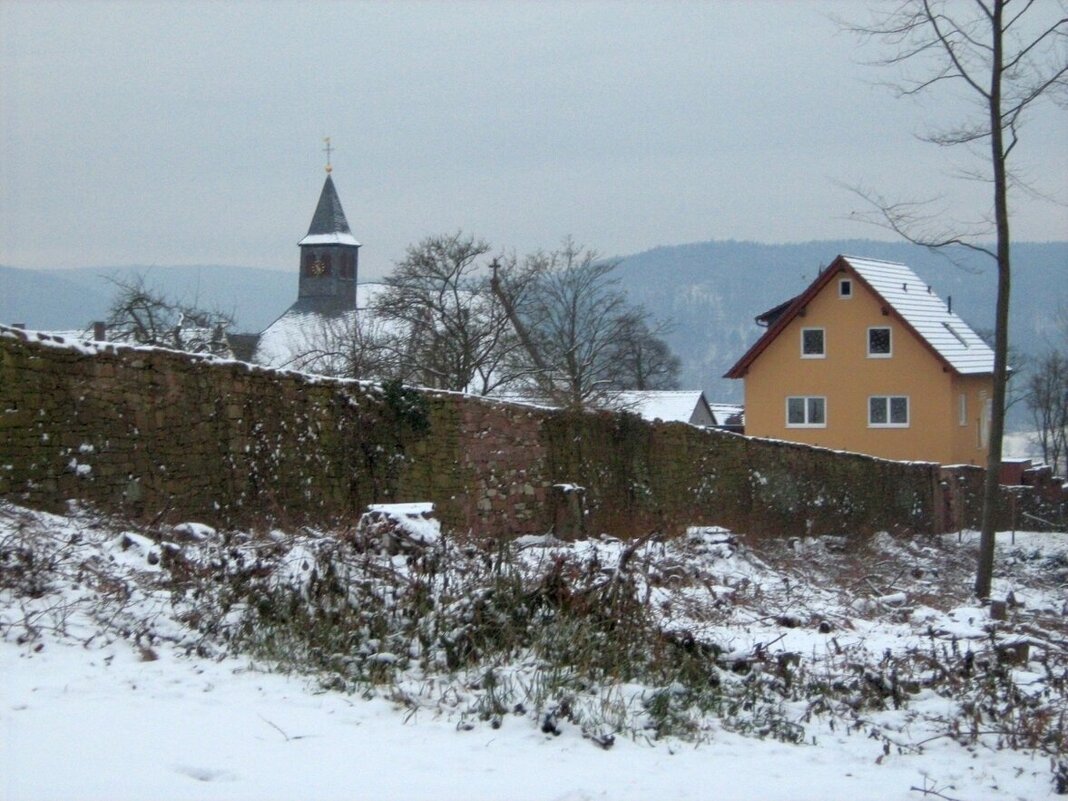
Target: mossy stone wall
[(159, 434)]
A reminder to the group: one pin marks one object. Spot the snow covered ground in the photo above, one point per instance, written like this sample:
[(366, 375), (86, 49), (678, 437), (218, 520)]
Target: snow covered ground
[(109, 693), (99, 723)]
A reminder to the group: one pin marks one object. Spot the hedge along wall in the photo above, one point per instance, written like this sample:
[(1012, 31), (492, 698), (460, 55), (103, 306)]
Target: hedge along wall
[(641, 477), (154, 433)]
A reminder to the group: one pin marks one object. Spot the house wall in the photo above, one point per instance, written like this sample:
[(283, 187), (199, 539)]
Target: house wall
[(702, 415), (970, 432), (848, 377)]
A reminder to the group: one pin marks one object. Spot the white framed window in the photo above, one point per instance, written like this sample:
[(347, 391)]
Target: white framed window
[(880, 342), (845, 288), (806, 411), (813, 343), (962, 410), (888, 411)]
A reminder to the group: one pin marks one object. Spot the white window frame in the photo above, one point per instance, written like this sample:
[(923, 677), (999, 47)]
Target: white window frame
[(890, 332), (843, 283), (962, 409), (823, 341), (807, 399), (887, 407)]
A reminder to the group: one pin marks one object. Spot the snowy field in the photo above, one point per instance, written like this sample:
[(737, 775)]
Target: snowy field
[(110, 691)]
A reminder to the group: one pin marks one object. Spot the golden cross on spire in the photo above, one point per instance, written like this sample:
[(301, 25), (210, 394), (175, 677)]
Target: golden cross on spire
[(328, 150)]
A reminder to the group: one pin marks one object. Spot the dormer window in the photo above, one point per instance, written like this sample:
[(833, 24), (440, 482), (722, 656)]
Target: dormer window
[(812, 343), (845, 288), (879, 343)]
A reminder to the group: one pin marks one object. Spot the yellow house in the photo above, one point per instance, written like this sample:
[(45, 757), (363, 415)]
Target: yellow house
[(869, 359)]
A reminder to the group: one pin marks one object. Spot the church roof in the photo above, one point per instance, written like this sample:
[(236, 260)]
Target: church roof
[(328, 225), (293, 340)]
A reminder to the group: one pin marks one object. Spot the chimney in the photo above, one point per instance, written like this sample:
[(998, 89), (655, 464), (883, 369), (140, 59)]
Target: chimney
[(949, 304), (100, 331)]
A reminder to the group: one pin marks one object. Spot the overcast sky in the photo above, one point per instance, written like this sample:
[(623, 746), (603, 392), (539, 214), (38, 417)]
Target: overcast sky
[(191, 133)]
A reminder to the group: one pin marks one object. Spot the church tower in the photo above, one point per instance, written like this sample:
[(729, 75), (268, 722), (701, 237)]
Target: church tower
[(329, 256)]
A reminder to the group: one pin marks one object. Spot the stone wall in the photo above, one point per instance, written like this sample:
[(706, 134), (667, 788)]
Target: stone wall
[(157, 434)]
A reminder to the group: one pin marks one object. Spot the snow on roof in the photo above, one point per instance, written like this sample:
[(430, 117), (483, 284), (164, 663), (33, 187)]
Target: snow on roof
[(669, 406), (336, 238), (926, 313), (723, 412), (726, 408), (85, 334), (950, 338), (291, 335), (289, 339)]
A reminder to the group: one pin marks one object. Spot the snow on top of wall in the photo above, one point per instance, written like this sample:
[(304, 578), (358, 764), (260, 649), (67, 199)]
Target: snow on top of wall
[(82, 342)]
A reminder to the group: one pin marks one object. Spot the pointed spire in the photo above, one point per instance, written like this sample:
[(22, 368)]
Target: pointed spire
[(328, 225), (329, 216)]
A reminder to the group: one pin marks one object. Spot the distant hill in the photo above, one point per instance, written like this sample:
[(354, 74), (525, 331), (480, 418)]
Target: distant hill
[(67, 299), (710, 290)]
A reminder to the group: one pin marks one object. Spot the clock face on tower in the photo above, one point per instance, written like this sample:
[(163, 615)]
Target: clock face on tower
[(317, 267)]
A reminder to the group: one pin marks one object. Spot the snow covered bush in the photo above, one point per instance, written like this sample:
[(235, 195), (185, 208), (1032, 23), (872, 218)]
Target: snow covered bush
[(793, 640)]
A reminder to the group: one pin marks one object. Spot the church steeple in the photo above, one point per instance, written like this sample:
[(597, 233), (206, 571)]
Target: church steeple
[(328, 225), (329, 255)]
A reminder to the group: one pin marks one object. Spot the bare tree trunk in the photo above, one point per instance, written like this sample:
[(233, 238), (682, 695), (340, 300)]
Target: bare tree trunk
[(520, 329), (991, 487), (1021, 61)]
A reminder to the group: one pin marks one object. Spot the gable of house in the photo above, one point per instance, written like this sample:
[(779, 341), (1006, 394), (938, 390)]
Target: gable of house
[(869, 359)]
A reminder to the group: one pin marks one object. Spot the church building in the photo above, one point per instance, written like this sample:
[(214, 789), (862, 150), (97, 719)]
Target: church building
[(329, 259), (327, 296)]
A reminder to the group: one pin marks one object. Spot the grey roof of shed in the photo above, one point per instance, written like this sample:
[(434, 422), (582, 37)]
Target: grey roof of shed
[(328, 225)]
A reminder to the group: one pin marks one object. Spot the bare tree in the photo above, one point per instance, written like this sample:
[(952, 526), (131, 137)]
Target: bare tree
[(141, 314), (1047, 398), (1005, 55), (351, 344), (643, 358), (1018, 364), (450, 330), (582, 339)]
